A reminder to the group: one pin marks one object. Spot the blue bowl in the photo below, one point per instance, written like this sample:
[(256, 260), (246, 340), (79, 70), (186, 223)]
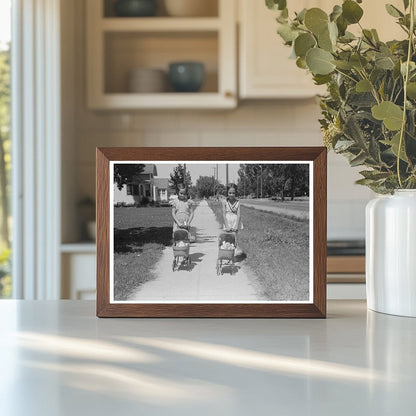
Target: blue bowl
[(135, 8), (186, 76)]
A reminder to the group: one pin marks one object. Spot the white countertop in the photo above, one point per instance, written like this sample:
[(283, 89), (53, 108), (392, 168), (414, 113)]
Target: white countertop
[(57, 358)]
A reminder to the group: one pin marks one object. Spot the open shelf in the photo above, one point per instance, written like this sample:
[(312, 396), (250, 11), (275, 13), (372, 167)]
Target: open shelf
[(160, 24), (209, 9), (127, 51), (116, 46)]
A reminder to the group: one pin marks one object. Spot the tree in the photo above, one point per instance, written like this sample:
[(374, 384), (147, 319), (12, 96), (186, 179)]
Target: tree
[(177, 177), (125, 172), (206, 186), (278, 179), (248, 174), (5, 159), (299, 180)]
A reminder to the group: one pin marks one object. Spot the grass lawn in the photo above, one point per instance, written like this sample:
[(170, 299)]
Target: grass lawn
[(277, 251), (140, 236)]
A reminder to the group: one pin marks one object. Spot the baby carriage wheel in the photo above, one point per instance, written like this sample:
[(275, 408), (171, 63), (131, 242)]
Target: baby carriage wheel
[(174, 264), (218, 267)]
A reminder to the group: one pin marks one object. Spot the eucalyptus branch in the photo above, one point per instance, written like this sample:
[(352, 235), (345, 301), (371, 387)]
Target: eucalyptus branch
[(392, 91), (373, 88), (398, 95), (406, 79), (346, 75)]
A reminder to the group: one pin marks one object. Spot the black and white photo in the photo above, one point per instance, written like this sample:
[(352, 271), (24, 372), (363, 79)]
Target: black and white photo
[(211, 231)]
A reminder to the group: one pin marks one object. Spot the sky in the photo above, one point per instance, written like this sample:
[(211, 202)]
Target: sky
[(202, 169), (5, 20)]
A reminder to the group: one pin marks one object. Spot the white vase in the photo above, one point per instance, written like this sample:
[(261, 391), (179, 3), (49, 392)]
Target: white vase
[(391, 253)]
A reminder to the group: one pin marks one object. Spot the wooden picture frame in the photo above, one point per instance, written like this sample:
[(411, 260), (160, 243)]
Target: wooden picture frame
[(310, 159)]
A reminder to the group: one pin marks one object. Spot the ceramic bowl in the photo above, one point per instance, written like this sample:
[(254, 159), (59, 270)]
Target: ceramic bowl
[(135, 8), (186, 76), (147, 80)]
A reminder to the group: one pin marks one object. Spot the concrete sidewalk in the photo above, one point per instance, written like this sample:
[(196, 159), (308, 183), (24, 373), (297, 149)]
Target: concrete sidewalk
[(201, 283)]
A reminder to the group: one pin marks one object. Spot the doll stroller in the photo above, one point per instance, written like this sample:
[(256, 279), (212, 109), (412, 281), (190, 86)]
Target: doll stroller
[(226, 250), (181, 241)]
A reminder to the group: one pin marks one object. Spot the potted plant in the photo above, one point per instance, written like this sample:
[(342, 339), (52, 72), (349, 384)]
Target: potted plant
[(368, 116)]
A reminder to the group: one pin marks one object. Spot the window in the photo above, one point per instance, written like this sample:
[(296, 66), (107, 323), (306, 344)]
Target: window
[(132, 189), (5, 159)]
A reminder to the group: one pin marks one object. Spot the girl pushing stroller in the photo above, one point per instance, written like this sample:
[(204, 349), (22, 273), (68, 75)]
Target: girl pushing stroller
[(182, 213)]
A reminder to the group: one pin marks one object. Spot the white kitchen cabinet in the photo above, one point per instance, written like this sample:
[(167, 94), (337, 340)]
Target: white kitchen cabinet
[(265, 70), (78, 263), (117, 45)]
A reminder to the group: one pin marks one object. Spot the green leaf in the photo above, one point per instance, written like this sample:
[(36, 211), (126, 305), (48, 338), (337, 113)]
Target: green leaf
[(368, 36), (374, 150), (343, 145), (391, 114), (336, 12), (384, 62), (316, 20), (375, 35), (396, 70), (411, 90), (394, 143), (365, 182), (303, 43), (301, 63), (319, 61), (354, 132), (406, 4), (333, 32), (347, 37), (342, 25), (351, 11), (287, 33), (321, 79), (412, 67), (363, 86), (358, 61), (344, 65), (276, 4), (301, 15), (358, 160), (393, 11), (374, 174), (325, 42), (281, 19)]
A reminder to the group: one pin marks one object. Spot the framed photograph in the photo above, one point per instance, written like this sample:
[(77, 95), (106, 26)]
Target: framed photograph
[(211, 232)]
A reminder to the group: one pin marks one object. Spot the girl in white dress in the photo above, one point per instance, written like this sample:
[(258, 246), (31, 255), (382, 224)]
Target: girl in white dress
[(182, 210), (231, 212)]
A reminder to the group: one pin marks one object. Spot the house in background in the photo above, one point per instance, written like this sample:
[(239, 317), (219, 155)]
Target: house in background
[(141, 189), (162, 188)]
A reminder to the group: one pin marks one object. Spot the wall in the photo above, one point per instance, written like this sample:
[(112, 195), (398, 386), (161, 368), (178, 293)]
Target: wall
[(253, 123)]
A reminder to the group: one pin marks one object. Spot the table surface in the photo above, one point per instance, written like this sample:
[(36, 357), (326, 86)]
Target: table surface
[(57, 358)]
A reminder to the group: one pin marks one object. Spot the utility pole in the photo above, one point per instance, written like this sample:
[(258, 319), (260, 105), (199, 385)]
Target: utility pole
[(226, 174), (213, 183), (261, 181)]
